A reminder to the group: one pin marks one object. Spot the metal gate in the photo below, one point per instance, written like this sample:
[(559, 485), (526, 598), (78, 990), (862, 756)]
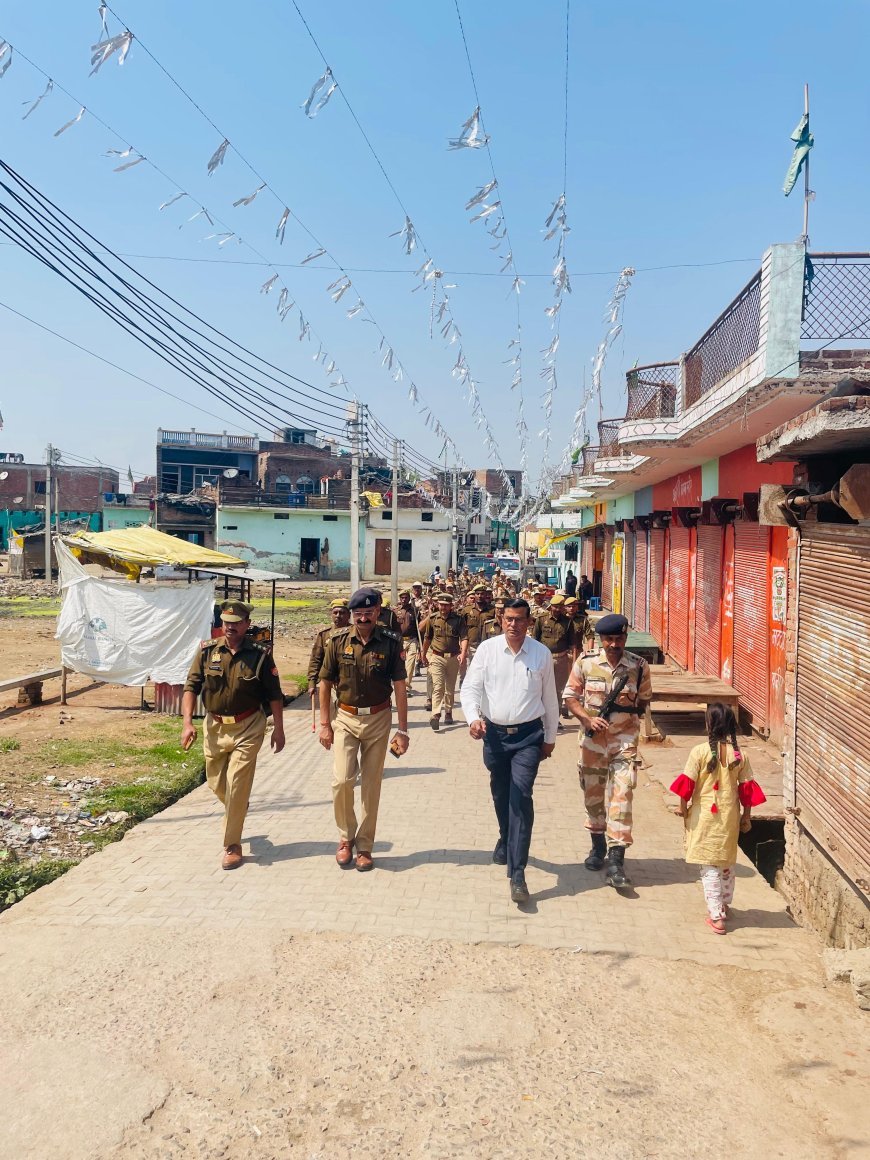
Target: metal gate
[(751, 676), (656, 585), (708, 601), (678, 597), (832, 713), (628, 577), (641, 603), (586, 557), (607, 571)]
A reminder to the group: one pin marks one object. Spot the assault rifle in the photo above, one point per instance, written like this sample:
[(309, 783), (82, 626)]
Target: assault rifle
[(610, 702)]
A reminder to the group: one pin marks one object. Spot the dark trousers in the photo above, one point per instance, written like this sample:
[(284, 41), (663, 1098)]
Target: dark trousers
[(512, 760)]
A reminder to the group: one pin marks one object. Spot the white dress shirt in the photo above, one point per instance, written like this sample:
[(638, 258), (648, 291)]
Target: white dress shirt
[(511, 688)]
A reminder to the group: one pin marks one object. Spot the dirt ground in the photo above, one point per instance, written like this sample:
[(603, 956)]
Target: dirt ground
[(40, 787)]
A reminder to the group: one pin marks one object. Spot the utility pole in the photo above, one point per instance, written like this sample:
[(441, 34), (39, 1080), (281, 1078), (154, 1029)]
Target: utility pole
[(394, 552), (353, 423), (454, 527), (49, 461), (808, 195)]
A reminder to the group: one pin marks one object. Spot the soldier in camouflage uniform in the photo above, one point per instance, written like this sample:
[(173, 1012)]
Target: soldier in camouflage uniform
[(608, 748)]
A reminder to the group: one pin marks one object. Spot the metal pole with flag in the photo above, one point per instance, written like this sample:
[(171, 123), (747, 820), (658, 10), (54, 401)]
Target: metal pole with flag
[(803, 143)]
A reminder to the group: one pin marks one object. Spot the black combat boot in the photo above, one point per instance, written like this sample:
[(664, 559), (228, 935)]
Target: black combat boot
[(615, 872), (598, 853), (428, 705), (448, 717)]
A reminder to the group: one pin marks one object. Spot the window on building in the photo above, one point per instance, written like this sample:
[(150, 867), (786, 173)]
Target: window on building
[(39, 486), (331, 519), (281, 516), (426, 517), (283, 483), (170, 482), (386, 515), (405, 551), (305, 484)]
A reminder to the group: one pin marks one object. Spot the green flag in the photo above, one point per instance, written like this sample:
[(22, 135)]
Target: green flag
[(803, 143)]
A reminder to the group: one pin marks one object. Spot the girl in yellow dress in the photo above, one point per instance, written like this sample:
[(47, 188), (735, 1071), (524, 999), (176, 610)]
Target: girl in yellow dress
[(717, 793)]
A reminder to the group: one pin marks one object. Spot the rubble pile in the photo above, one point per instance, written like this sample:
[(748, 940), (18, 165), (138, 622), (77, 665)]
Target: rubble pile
[(61, 831)]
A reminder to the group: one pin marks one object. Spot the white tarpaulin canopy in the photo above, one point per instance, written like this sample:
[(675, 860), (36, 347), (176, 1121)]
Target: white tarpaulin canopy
[(125, 633)]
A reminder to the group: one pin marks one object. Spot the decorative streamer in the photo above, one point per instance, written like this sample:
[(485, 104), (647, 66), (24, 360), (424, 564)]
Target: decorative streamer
[(325, 86), (312, 256), (282, 226), (172, 200), (122, 153), (268, 284), (104, 28), (70, 124), (408, 235), (35, 104), (107, 48), (5, 57), (472, 135), (217, 158), (251, 196)]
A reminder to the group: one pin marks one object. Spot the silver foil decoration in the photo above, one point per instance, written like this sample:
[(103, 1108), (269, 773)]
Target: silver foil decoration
[(339, 288), (217, 158), (101, 52), (472, 135), (172, 200), (354, 310), (312, 256), (74, 121), (201, 212), (282, 225), (485, 212), (5, 57), (35, 104), (122, 153), (251, 196), (322, 89), (104, 28), (268, 284), (408, 235), (482, 194), (304, 328)]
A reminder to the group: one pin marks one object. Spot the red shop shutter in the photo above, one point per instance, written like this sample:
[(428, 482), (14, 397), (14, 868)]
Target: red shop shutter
[(587, 568), (628, 577), (678, 597), (708, 601), (751, 635), (641, 609), (607, 573), (656, 584)]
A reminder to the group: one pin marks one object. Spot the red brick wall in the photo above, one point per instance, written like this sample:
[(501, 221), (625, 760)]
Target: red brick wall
[(78, 488)]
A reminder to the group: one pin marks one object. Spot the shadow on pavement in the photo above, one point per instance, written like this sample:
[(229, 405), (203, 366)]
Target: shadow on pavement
[(402, 862)]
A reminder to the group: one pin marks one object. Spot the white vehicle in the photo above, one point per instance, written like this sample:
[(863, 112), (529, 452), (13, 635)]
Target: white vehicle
[(509, 564)]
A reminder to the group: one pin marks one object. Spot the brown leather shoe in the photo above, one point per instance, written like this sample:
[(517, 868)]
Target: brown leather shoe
[(364, 861), (344, 854), (232, 859)]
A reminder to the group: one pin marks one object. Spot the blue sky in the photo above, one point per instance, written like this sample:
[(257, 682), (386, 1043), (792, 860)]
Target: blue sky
[(679, 118)]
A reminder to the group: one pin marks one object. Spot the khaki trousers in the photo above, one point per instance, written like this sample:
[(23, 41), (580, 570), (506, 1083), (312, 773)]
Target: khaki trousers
[(445, 671), (230, 761), (359, 744), (562, 671), (409, 644)]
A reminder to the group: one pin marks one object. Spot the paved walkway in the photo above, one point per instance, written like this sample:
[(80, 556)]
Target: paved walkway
[(433, 876)]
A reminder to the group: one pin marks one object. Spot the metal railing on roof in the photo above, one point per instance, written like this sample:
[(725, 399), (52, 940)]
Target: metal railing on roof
[(836, 302), (727, 343), (652, 391)]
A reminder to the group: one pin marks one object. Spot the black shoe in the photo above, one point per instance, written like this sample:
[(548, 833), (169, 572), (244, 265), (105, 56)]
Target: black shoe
[(615, 872), (499, 854), (428, 704), (435, 722), (448, 718), (598, 854), (519, 890), (565, 712)]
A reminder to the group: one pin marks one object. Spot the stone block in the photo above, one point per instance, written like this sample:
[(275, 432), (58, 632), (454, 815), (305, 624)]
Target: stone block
[(861, 988), (839, 965)]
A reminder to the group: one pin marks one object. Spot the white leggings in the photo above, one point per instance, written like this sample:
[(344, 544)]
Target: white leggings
[(718, 883)]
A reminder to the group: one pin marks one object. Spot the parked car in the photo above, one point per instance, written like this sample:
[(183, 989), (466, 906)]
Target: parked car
[(484, 564)]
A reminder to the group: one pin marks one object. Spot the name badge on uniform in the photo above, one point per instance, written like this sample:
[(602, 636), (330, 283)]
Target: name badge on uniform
[(596, 686)]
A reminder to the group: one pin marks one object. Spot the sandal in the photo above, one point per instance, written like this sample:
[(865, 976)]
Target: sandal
[(711, 922)]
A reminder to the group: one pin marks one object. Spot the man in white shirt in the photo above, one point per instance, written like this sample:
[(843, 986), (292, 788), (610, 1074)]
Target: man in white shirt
[(509, 700)]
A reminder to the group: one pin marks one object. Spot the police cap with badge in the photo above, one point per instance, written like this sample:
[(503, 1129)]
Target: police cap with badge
[(612, 625), (364, 598), (235, 611)]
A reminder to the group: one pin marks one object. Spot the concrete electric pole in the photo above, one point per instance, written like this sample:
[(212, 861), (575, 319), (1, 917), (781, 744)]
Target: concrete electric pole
[(394, 552), (49, 463), (353, 419)]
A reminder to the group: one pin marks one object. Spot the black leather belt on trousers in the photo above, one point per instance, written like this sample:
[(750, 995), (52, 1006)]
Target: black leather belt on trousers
[(511, 730)]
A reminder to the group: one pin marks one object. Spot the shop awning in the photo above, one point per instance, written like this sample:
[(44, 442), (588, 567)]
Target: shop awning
[(129, 550)]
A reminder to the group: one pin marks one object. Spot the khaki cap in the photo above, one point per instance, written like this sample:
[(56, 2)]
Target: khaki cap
[(234, 611)]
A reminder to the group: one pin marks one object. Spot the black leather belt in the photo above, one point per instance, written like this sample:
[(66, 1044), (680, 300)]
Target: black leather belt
[(524, 726)]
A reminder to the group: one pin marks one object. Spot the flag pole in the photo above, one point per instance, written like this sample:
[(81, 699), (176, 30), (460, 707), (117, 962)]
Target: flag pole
[(807, 191)]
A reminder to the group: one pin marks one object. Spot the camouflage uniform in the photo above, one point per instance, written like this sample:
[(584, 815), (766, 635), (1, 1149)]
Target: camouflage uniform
[(608, 761)]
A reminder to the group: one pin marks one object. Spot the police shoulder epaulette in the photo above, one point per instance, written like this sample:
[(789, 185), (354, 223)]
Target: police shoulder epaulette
[(341, 631), (204, 644), (389, 632)]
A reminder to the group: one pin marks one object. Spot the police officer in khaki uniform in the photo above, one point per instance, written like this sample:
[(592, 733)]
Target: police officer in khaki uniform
[(554, 629), (446, 639), (478, 612), (340, 615), (584, 633), (386, 617), (363, 663), (237, 678), (406, 615), (608, 745), (495, 627)]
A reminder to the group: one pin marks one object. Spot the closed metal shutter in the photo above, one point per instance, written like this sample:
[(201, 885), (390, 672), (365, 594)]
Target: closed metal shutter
[(586, 569), (832, 768), (678, 597), (628, 578), (656, 585), (751, 676), (708, 601), (607, 573), (641, 604)]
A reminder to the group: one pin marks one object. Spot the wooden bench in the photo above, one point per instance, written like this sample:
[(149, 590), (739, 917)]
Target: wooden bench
[(30, 686), (670, 687)]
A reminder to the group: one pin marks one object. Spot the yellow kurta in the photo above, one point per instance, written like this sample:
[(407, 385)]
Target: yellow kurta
[(711, 834)]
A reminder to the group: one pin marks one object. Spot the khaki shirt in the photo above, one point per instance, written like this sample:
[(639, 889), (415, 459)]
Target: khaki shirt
[(363, 674), (388, 619), (407, 618), (492, 628), (557, 635), (582, 628), (234, 683), (592, 678), (446, 633), (318, 651), (476, 620)]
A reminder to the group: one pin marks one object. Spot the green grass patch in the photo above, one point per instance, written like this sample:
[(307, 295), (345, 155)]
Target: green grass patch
[(9, 744), (29, 607), (18, 879), (300, 680)]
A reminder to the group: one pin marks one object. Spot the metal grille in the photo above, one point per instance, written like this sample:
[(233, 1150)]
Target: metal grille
[(608, 438), (730, 341), (652, 391), (836, 297), (590, 454)]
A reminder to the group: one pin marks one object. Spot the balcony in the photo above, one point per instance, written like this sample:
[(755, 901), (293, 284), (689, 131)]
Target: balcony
[(652, 391), (725, 345), (250, 497), (223, 441)]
